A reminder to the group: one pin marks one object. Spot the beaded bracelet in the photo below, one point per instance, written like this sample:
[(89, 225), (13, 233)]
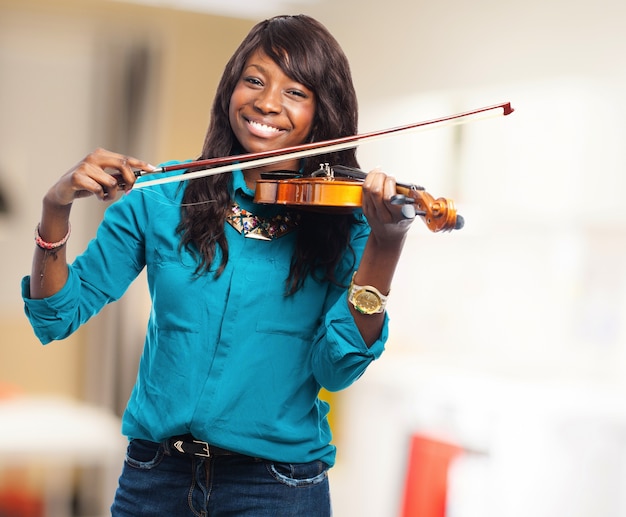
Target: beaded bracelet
[(51, 246)]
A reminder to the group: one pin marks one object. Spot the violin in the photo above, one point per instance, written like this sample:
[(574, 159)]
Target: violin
[(324, 190)]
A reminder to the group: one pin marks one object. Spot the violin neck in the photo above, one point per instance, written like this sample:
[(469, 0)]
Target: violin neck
[(351, 172)]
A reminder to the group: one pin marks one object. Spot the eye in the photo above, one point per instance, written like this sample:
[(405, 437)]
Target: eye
[(297, 93), (253, 81)]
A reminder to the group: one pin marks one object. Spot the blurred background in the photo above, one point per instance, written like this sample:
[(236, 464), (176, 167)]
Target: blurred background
[(501, 393)]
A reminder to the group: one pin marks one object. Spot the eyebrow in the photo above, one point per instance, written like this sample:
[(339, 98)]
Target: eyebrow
[(260, 68)]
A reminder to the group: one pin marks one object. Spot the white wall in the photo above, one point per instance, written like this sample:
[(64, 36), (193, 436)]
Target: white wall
[(509, 334)]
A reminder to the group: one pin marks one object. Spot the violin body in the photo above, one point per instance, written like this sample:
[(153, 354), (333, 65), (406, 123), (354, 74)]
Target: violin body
[(341, 195), (310, 192)]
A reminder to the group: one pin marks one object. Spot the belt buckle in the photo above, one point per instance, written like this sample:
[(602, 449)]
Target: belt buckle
[(205, 453)]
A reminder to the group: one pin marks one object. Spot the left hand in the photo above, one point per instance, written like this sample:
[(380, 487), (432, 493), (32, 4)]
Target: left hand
[(388, 222)]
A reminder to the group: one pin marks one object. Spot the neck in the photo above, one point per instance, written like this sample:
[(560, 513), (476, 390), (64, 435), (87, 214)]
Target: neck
[(253, 175)]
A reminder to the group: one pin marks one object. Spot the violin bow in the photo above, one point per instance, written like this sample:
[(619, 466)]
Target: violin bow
[(224, 164)]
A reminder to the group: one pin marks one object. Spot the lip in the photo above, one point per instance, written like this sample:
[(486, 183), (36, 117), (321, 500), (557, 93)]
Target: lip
[(263, 129)]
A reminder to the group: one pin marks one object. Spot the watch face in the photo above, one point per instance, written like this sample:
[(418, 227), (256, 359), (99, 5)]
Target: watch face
[(366, 301)]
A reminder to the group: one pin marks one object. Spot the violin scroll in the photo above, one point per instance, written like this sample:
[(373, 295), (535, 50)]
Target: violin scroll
[(439, 214)]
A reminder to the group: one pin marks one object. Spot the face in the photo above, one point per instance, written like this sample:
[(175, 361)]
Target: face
[(269, 110)]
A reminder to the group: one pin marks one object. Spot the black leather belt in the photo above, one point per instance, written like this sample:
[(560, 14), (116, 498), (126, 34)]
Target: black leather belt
[(189, 445)]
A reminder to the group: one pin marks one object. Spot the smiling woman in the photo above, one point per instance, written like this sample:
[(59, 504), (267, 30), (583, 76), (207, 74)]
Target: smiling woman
[(225, 417)]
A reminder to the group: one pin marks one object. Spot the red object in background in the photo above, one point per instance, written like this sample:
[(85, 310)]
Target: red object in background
[(426, 486), (17, 503)]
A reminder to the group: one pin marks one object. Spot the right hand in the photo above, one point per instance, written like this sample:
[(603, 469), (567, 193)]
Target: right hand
[(88, 177)]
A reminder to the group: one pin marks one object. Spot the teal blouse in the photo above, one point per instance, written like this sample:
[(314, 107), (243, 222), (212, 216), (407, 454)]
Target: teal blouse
[(231, 360)]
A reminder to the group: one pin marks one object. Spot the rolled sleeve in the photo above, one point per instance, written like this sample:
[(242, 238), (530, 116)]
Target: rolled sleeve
[(52, 317), (340, 356)]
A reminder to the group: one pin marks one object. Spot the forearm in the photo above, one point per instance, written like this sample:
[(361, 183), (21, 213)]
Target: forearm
[(88, 177), (49, 268), (377, 268)]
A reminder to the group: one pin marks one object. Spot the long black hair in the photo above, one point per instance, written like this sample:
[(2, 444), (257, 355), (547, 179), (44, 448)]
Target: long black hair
[(309, 54)]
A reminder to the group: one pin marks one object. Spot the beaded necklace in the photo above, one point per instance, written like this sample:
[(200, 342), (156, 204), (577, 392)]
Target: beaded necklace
[(255, 227)]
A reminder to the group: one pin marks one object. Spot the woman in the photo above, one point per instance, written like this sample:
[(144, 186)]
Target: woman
[(254, 307)]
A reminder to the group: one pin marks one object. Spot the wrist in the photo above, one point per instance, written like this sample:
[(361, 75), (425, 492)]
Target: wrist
[(389, 244), (55, 221), (366, 299), (48, 245)]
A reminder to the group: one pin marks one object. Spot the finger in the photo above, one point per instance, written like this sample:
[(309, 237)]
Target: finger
[(120, 169), (87, 181), (133, 169), (126, 175), (91, 178), (380, 190), (389, 189), (80, 186), (398, 211)]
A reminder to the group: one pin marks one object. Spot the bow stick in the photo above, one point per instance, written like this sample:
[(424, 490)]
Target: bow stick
[(252, 160)]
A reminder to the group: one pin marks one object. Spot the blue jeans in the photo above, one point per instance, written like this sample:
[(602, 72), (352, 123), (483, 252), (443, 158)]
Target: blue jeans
[(158, 482)]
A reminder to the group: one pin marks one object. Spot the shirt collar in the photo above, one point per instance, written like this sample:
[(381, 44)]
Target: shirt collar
[(239, 183)]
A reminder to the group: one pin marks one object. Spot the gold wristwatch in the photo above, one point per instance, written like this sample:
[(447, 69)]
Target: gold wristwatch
[(366, 298)]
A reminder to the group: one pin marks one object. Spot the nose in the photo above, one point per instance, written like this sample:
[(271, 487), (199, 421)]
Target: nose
[(268, 101)]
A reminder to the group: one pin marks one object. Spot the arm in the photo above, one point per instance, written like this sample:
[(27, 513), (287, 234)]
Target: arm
[(348, 341), (383, 248), (87, 178)]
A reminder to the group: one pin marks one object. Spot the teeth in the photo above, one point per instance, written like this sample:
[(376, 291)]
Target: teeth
[(263, 127)]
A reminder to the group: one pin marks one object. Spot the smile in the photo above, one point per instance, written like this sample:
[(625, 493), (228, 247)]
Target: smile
[(263, 128)]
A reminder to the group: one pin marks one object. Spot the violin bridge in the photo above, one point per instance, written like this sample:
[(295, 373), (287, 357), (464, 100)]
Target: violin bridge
[(324, 170)]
